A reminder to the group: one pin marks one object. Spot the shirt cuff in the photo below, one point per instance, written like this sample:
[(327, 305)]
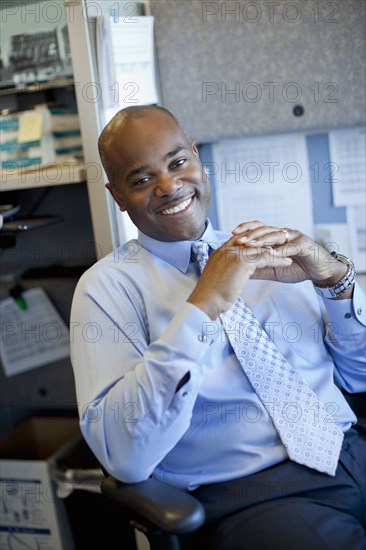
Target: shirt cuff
[(192, 332), (348, 313)]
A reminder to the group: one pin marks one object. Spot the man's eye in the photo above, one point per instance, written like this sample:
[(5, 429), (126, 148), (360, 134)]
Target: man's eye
[(178, 163), (141, 181)]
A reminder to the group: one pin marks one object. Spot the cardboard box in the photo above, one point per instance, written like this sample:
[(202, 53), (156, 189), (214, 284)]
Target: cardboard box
[(32, 516)]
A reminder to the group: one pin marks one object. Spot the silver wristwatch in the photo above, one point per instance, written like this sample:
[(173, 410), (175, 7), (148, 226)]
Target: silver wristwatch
[(343, 285)]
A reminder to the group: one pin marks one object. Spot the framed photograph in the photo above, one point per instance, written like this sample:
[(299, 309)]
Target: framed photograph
[(34, 44)]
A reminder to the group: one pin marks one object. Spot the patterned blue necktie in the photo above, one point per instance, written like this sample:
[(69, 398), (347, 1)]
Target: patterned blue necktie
[(309, 434)]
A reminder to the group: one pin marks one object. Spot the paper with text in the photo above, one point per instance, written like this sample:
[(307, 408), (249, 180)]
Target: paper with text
[(348, 154), (263, 178), (33, 337)]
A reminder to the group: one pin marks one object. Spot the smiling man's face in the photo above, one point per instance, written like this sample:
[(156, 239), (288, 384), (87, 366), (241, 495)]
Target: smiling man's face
[(160, 180)]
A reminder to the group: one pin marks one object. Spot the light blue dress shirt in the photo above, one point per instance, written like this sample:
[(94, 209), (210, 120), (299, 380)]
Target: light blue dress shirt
[(134, 337)]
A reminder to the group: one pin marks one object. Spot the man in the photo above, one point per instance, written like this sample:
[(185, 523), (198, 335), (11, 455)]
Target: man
[(160, 389)]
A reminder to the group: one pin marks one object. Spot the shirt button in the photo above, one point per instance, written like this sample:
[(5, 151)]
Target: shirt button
[(202, 338), (347, 316), (184, 394), (359, 311)]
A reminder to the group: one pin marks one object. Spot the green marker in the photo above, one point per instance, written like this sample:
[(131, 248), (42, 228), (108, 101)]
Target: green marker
[(21, 303), (17, 294)]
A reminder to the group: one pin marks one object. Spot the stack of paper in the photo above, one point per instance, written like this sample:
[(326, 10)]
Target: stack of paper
[(65, 128), (25, 140), (42, 136)]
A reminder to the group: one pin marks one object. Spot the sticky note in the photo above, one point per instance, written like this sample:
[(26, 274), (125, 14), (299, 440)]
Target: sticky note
[(30, 127)]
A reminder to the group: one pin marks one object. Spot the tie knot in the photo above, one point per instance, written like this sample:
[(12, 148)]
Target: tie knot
[(200, 253)]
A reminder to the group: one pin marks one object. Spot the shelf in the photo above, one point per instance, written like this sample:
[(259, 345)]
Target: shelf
[(37, 87), (66, 173)]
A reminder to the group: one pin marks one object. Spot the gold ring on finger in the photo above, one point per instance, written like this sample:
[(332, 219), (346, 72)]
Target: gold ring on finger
[(287, 236)]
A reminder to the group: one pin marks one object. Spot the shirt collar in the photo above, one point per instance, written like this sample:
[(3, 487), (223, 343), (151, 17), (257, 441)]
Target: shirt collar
[(177, 253)]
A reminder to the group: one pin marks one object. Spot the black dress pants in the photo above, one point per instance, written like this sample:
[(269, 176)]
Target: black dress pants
[(289, 506)]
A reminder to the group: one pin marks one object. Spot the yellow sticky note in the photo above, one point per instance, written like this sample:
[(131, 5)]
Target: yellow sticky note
[(30, 127)]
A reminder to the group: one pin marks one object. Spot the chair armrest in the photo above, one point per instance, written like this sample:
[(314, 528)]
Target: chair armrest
[(74, 466), (168, 508)]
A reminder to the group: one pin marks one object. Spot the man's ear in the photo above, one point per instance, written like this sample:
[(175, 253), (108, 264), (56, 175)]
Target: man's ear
[(116, 196), (195, 150)]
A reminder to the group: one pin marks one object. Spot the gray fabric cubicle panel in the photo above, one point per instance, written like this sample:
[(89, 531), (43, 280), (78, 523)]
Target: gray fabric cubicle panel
[(274, 55)]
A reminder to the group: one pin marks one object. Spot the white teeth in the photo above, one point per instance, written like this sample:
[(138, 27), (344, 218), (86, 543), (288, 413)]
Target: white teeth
[(178, 208)]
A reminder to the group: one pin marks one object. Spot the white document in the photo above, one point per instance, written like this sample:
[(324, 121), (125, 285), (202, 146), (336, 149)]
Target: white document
[(33, 337), (126, 62), (356, 217), (263, 178), (348, 156), (31, 516)]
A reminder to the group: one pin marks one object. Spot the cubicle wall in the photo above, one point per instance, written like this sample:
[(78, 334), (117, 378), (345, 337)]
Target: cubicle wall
[(238, 68)]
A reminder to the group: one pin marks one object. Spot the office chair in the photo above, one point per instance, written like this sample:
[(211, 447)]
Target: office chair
[(161, 512)]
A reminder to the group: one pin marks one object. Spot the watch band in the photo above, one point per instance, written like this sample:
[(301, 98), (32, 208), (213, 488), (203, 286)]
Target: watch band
[(343, 285)]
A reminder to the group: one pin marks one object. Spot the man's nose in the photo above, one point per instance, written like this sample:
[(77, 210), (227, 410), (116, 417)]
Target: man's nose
[(167, 184)]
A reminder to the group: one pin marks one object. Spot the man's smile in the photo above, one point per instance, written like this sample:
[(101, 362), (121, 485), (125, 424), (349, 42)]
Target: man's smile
[(178, 208)]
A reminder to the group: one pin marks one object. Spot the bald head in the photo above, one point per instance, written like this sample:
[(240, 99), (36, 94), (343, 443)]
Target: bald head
[(122, 118), (155, 173)]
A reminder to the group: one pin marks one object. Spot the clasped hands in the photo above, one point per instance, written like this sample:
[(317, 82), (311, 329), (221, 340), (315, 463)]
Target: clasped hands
[(259, 251)]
